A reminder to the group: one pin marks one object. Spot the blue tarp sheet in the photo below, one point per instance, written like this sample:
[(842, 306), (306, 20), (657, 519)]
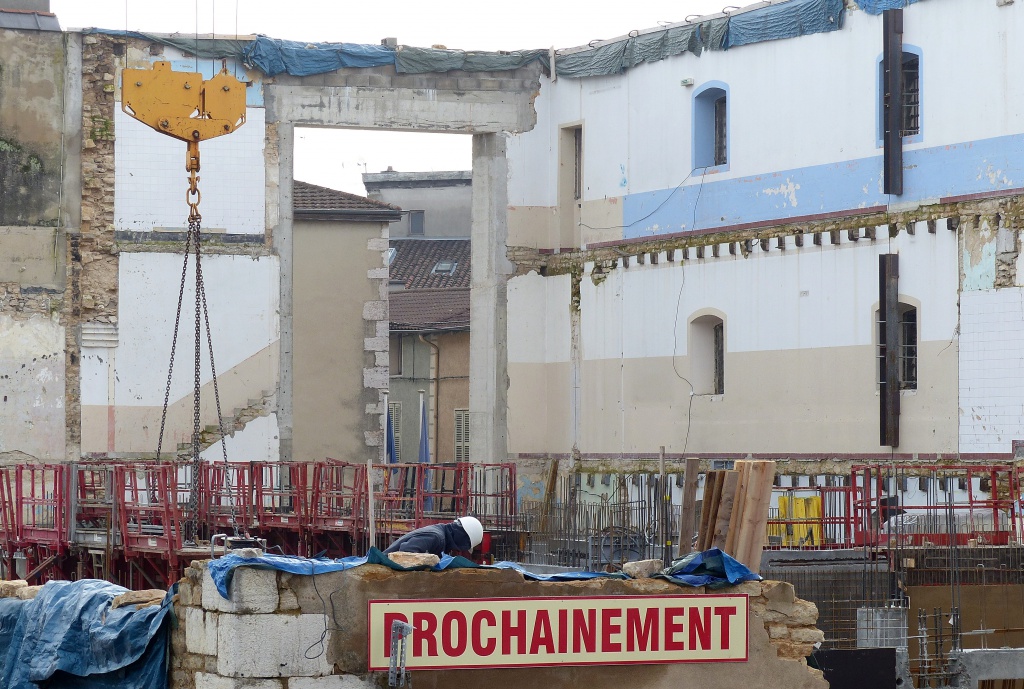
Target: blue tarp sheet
[(710, 568), (273, 56), (879, 6), (69, 637), (787, 20), (222, 568)]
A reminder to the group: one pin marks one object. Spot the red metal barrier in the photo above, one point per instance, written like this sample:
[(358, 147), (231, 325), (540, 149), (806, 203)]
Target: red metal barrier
[(338, 497), (7, 520), (41, 505), (151, 519), (227, 494)]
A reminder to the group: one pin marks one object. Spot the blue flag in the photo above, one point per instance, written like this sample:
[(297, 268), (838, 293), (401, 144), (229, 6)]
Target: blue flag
[(391, 439)]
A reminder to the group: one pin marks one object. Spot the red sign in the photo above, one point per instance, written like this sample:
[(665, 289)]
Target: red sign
[(534, 632)]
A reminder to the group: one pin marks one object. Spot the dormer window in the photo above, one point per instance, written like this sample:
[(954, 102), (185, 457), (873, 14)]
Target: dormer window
[(444, 268)]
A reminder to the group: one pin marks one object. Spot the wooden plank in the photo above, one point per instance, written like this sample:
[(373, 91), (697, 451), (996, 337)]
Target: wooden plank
[(716, 498), (743, 469), (688, 515), (710, 479), (725, 507), (755, 515)]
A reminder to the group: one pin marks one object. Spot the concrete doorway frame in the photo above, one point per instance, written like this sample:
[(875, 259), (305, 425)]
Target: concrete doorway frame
[(489, 106)]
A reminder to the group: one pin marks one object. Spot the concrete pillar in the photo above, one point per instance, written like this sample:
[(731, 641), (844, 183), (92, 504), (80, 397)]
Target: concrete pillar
[(488, 348), (280, 168)]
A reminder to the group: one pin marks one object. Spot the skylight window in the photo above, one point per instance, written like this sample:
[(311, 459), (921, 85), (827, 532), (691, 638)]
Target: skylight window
[(389, 259), (444, 268)]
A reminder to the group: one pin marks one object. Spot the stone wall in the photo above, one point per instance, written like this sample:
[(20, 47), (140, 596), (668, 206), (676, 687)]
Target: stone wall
[(284, 631)]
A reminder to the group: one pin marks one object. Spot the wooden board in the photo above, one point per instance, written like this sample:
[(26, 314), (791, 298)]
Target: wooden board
[(688, 515), (707, 510), (754, 523), (743, 470), (725, 509)]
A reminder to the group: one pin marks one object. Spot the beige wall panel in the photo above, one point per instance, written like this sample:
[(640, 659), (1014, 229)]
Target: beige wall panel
[(329, 289), (539, 414), (453, 390), (798, 401), (31, 256), (603, 220), (532, 226)]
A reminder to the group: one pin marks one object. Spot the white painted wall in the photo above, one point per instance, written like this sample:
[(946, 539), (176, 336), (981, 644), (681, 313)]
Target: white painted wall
[(32, 387), (991, 374), (258, 441), (793, 103), (242, 296), (150, 180), (800, 298)]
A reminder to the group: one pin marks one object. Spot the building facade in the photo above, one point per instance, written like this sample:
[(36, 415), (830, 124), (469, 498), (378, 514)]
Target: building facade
[(698, 242)]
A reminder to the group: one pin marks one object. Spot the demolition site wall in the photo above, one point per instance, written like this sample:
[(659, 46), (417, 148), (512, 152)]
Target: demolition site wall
[(285, 631)]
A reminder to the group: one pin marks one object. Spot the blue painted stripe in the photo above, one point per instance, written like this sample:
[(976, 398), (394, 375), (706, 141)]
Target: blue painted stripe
[(976, 167)]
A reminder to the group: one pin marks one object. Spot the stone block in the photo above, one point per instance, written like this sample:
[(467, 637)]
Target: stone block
[(807, 635), (643, 569), (272, 646), (138, 598), (377, 244), (332, 682), (376, 378), (200, 631), (210, 681), (414, 559), (28, 592), (375, 310), (780, 594), (9, 589), (793, 651), (751, 588), (252, 591), (777, 631), (376, 274), (375, 344)]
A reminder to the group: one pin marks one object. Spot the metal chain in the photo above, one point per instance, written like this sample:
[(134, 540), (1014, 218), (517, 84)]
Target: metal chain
[(220, 419), (174, 344), (193, 498)]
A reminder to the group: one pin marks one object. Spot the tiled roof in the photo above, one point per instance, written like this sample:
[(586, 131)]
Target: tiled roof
[(310, 197), (423, 310), (415, 260)]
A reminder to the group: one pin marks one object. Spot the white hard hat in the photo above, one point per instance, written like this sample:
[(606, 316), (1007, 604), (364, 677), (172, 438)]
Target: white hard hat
[(474, 529)]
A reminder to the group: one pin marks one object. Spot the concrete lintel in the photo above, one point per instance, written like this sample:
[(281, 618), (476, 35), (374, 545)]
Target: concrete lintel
[(402, 109)]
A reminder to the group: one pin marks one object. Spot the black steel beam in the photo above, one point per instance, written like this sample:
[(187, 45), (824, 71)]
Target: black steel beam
[(892, 101)]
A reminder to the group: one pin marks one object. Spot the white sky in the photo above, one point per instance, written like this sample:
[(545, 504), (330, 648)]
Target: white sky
[(336, 158)]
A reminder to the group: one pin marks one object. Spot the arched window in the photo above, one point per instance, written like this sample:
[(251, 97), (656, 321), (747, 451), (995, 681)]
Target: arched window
[(707, 355), (711, 125)]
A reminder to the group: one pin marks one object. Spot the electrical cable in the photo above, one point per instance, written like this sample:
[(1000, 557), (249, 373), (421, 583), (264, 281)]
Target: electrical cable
[(658, 208)]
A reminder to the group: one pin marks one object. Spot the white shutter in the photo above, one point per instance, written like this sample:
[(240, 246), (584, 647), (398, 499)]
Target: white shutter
[(461, 435)]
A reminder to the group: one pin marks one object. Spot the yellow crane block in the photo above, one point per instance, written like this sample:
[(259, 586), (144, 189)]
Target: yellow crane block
[(183, 105)]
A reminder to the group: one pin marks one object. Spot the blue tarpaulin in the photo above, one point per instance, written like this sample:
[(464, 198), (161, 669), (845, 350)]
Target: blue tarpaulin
[(274, 56), (786, 20), (879, 6), (711, 568), (69, 637), (221, 569)]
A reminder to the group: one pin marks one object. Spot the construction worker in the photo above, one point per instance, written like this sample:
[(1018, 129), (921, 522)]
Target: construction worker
[(463, 534)]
